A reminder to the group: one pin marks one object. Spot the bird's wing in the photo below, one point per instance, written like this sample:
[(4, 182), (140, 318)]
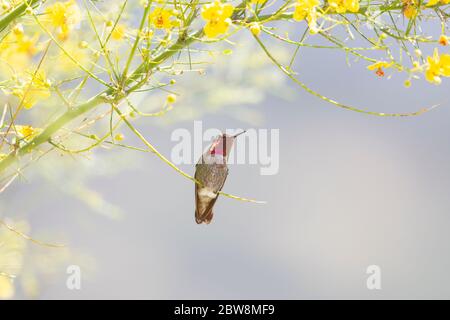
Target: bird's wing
[(206, 215)]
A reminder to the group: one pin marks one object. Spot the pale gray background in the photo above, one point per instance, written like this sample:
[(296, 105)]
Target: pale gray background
[(352, 190)]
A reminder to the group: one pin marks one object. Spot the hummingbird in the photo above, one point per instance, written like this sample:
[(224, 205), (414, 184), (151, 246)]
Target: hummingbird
[(211, 171)]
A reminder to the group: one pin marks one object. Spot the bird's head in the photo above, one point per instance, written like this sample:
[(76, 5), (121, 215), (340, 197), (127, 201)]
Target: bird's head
[(222, 144)]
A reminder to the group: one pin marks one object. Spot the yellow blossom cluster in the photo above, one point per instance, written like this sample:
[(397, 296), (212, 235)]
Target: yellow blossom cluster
[(307, 9), (63, 16), (162, 18), (217, 16), (27, 132), (343, 6), (17, 49), (438, 65)]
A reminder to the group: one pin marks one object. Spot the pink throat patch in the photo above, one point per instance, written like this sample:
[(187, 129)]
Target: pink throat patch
[(215, 151)]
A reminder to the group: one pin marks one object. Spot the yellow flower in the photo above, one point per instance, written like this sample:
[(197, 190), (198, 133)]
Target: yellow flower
[(443, 40), (378, 67), (435, 2), (17, 50), (6, 287), (161, 18), (18, 43), (258, 1), (410, 9), (217, 16), (307, 9), (437, 66), (119, 32), (33, 90), (303, 8), (27, 132), (63, 16), (410, 12), (342, 6)]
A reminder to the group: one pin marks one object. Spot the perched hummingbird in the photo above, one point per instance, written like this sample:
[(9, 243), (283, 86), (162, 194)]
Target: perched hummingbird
[(211, 171)]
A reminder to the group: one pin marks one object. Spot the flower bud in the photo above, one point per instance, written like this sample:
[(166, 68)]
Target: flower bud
[(171, 98), (255, 29)]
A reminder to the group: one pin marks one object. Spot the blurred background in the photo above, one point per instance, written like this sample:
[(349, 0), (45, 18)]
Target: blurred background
[(352, 190)]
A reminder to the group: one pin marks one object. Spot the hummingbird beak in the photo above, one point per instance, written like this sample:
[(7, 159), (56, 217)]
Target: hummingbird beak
[(239, 133)]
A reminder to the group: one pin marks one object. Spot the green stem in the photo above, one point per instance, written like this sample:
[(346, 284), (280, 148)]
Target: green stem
[(16, 13), (75, 112), (136, 42), (144, 69)]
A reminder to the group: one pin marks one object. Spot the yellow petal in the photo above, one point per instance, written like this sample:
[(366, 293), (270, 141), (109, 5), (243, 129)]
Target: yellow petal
[(432, 3), (227, 10)]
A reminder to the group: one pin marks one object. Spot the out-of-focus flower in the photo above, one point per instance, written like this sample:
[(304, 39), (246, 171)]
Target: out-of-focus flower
[(119, 32), (63, 16), (34, 89), (378, 67), (217, 16), (437, 66), (342, 6), (19, 43), (27, 132), (162, 18), (17, 49), (5, 6), (443, 40), (307, 9), (77, 51), (258, 1), (171, 99)]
